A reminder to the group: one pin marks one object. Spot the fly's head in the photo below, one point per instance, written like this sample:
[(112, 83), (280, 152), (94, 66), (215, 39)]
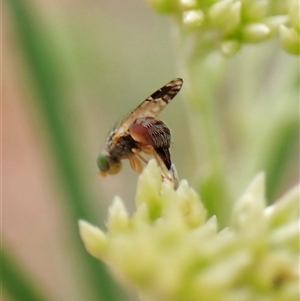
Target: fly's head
[(108, 164)]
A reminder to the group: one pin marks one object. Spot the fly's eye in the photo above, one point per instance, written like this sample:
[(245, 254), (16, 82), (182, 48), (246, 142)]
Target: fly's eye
[(102, 163)]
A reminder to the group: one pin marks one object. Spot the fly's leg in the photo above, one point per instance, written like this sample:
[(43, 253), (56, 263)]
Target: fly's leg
[(137, 153), (136, 164), (168, 175)]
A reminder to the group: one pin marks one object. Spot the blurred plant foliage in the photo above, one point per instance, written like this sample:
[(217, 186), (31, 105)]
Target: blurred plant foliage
[(183, 255), (244, 111), (241, 98)]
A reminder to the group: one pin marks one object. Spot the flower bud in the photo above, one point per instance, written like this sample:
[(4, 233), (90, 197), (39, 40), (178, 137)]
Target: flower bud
[(248, 211), (226, 15), (255, 32), (95, 241), (230, 47), (283, 210), (294, 12), (274, 22), (255, 10), (188, 4), (118, 218), (289, 39), (193, 18)]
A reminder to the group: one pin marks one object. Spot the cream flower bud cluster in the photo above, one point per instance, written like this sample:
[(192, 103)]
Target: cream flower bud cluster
[(170, 251), (234, 22)]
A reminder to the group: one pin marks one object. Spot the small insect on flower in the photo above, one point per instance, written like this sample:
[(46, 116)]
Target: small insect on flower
[(140, 132)]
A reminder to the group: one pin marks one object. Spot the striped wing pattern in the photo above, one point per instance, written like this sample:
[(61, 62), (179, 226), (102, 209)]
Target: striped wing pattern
[(152, 105)]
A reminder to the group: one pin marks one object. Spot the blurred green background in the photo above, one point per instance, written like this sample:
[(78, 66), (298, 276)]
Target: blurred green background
[(71, 70)]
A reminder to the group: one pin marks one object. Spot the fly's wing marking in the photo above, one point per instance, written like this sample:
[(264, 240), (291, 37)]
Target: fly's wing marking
[(151, 106)]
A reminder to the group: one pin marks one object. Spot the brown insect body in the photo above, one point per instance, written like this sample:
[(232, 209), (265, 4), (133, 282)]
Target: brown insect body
[(150, 131), (141, 132), (120, 147)]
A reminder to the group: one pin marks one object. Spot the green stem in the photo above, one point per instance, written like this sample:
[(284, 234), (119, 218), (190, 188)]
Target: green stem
[(282, 147), (201, 80), (46, 71), (18, 284)]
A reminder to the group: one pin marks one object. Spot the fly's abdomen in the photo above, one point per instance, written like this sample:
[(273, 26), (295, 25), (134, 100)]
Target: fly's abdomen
[(150, 131)]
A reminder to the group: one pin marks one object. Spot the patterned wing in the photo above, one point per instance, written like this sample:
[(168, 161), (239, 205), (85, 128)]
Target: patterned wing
[(152, 106)]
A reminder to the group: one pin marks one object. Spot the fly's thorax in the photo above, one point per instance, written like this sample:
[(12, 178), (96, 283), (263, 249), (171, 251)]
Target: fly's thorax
[(121, 146)]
